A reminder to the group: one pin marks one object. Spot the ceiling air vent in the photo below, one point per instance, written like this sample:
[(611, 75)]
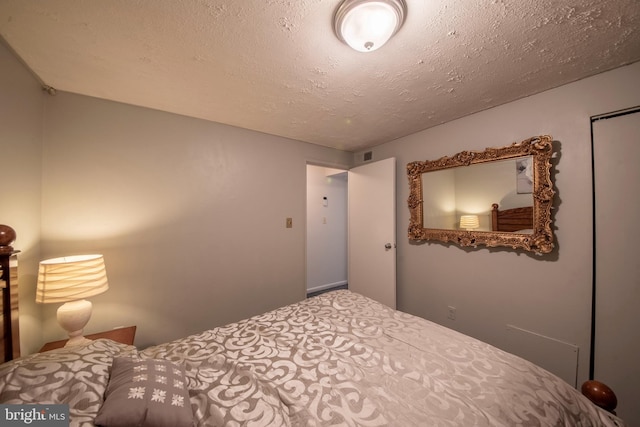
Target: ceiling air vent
[(368, 156)]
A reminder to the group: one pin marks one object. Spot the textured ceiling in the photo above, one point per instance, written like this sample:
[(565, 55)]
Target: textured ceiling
[(275, 66)]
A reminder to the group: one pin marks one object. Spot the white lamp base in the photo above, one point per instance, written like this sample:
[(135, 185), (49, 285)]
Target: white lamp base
[(73, 316)]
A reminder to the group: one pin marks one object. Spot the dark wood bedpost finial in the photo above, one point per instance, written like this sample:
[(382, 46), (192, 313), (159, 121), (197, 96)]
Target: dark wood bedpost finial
[(600, 394), (7, 237)]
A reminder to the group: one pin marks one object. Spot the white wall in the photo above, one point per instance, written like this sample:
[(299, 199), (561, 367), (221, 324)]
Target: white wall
[(189, 214), (551, 294), (326, 228), (21, 113)]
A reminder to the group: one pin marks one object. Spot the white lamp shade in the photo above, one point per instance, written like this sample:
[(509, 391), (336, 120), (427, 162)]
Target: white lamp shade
[(71, 278), (469, 222), (366, 25)]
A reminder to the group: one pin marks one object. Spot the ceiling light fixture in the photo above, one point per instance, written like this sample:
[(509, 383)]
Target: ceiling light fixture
[(366, 25)]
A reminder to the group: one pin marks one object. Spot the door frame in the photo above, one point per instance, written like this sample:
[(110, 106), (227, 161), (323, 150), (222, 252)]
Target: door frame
[(346, 169), (320, 164)]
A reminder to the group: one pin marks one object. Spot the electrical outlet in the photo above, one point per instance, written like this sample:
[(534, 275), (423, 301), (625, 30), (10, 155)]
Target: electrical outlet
[(452, 312), (289, 222)]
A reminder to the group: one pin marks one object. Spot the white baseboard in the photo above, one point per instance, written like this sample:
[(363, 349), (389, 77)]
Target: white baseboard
[(326, 286)]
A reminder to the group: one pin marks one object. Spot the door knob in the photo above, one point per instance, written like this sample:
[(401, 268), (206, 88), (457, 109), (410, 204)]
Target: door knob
[(388, 246)]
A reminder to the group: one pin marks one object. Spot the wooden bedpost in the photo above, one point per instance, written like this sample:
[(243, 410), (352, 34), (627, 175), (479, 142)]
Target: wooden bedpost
[(494, 217), (7, 237), (600, 394)]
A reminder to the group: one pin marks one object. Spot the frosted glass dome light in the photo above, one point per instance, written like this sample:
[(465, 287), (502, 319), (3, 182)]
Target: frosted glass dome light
[(366, 25)]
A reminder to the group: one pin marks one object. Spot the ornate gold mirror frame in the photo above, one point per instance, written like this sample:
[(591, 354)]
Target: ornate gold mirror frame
[(539, 241)]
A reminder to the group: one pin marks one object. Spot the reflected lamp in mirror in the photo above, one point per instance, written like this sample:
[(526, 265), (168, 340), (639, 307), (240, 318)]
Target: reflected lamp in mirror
[(70, 280), (469, 222)]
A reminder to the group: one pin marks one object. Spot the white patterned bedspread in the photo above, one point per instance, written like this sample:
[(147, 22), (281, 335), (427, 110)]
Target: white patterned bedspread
[(342, 359)]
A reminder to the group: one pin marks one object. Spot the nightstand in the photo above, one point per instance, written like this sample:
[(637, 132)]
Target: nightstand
[(121, 335)]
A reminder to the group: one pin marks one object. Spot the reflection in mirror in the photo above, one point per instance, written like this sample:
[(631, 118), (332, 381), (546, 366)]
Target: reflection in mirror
[(472, 190), (497, 197)]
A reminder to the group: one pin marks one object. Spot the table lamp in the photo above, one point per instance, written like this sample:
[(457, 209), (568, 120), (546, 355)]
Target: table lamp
[(469, 222), (70, 280)]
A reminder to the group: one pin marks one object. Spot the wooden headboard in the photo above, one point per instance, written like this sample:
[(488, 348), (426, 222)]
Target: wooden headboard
[(10, 343), (511, 219)]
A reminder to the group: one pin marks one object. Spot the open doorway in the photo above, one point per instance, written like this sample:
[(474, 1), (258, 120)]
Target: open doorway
[(327, 198)]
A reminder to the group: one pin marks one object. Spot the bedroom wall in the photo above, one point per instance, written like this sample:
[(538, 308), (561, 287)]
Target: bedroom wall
[(491, 288), (189, 214), (21, 114)]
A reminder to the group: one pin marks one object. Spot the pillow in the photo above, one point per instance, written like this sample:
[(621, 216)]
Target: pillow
[(147, 392), (77, 376)]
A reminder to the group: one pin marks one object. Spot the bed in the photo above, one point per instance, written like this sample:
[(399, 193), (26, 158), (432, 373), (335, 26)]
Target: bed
[(337, 359), (512, 220)]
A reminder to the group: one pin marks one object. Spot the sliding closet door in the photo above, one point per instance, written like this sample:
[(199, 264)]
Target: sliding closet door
[(616, 145)]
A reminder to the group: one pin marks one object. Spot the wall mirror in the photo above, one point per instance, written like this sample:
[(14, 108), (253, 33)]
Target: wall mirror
[(496, 197)]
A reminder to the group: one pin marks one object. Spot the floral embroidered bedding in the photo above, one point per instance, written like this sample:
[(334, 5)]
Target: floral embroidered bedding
[(338, 359)]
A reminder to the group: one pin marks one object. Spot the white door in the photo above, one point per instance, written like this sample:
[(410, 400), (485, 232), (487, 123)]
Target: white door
[(616, 148), (372, 231)]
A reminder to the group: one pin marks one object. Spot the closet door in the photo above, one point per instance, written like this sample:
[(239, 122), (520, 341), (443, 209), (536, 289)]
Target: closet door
[(616, 148)]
